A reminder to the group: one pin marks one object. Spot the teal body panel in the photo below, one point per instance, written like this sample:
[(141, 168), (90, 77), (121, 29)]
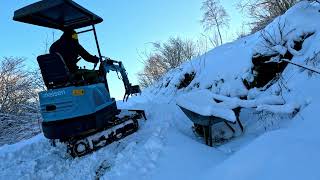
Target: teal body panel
[(63, 103)]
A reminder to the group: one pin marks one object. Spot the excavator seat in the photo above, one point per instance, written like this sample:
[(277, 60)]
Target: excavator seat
[(56, 74), (54, 71)]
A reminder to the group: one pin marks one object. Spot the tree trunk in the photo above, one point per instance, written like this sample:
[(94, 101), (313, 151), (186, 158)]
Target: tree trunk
[(218, 28)]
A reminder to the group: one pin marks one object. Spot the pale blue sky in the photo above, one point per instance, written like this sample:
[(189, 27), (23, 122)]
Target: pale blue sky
[(128, 28)]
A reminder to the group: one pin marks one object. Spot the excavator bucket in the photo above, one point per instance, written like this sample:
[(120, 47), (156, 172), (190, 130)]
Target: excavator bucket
[(131, 90), (117, 66)]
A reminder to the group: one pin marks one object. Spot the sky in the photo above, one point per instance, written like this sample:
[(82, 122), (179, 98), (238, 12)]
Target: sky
[(127, 31)]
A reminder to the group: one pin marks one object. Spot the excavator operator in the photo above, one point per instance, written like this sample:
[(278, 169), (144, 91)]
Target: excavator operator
[(69, 48)]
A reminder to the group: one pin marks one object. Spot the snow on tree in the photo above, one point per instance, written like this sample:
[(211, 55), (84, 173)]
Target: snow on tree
[(17, 88), (19, 115)]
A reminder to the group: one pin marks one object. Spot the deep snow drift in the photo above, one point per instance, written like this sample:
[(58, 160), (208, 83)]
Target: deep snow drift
[(277, 144)]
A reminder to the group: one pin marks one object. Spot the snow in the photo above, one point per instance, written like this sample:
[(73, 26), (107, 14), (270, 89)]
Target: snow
[(287, 153), (206, 103), (281, 138), (276, 155), (177, 163), (280, 49)]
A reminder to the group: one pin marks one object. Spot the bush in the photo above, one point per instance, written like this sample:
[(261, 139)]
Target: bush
[(264, 11), (165, 57)]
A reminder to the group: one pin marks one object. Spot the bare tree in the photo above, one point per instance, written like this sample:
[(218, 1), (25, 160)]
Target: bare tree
[(214, 16), (264, 11), (213, 39), (165, 57), (17, 88)]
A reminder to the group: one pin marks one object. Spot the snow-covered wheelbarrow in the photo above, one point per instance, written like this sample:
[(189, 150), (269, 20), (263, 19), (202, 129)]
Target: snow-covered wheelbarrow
[(201, 108), (207, 123)]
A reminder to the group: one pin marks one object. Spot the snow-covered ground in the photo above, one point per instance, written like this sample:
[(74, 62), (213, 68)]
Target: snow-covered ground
[(275, 145), (164, 148)]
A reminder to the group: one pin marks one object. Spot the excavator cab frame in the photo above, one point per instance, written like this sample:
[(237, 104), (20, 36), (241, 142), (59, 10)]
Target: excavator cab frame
[(62, 15), (59, 14)]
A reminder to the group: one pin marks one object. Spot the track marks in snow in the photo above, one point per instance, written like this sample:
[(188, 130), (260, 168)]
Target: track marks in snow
[(163, 140), (140, 156), (136, 155), (104, 166)]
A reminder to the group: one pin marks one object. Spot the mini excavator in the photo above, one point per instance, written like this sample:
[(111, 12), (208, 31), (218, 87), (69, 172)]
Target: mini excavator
[(78, 111)]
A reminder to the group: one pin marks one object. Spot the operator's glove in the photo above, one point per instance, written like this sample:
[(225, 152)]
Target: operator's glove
[(94, 66), (95, 59)]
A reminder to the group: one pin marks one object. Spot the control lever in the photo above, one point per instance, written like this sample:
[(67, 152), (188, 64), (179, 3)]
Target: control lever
[(95, 65)]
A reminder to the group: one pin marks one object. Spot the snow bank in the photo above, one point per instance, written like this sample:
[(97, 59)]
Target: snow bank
[(165, 146), (205, 103), (291, 151)]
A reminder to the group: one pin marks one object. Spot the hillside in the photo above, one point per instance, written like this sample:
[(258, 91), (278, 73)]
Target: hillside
[(279, 142)]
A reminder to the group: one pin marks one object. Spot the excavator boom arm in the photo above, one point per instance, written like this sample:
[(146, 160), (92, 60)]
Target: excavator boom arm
[(117, 66)]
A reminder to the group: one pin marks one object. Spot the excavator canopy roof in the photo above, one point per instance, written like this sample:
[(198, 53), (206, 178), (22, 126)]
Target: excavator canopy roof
[(57, 14)]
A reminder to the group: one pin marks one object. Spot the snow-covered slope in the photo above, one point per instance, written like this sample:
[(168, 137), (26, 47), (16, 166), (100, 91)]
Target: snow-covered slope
[(275, 145)]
